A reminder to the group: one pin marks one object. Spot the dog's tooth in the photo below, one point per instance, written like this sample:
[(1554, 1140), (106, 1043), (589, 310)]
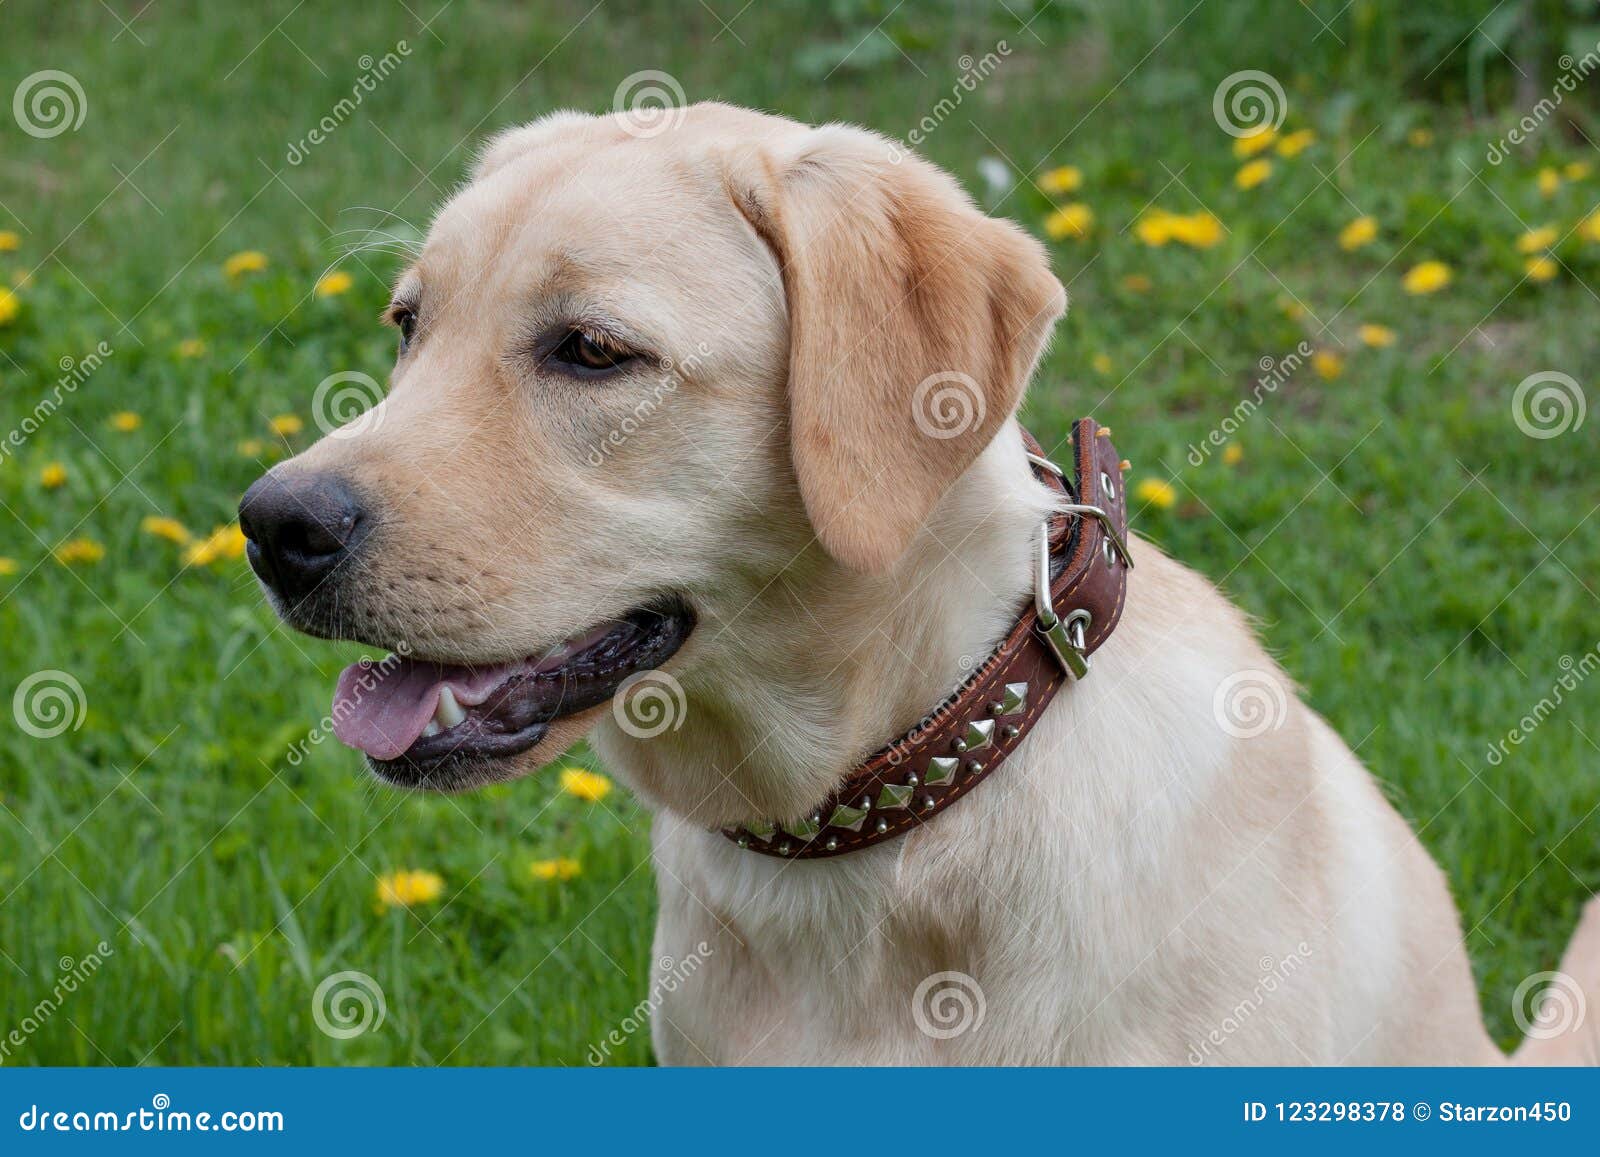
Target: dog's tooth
[(431, 729), (449, 712)]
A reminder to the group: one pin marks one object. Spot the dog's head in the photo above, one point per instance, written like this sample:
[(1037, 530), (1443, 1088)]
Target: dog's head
[(645, 367)]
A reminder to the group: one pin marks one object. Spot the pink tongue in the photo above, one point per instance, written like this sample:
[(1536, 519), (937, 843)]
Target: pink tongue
[(381, 708)]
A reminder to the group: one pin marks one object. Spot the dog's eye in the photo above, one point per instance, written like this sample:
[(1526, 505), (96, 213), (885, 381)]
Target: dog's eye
[(582, 352), (405, 320)]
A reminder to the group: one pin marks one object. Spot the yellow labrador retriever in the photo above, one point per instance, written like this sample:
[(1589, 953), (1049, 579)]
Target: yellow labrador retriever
[(655, 428)]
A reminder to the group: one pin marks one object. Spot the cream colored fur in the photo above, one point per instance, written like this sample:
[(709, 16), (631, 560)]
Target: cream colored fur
[(1135, 886)]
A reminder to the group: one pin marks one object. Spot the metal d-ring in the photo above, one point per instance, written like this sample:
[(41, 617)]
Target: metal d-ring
[(1067, 638)]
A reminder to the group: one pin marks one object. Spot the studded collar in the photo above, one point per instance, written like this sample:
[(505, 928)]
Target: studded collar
[(1080, 585)]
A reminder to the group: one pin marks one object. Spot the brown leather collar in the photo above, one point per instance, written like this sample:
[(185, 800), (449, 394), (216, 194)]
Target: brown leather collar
[(1083, 578)]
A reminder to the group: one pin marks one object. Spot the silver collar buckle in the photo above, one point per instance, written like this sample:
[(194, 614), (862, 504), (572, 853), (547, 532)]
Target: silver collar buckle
[(1067, 635)]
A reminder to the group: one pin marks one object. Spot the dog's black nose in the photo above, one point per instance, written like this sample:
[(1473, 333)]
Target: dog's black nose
[(300, 527)]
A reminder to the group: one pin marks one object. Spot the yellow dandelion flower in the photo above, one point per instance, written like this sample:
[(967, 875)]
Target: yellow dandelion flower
[(1101, 363), (10, 306), (1359, 232), (1296, 143), (407, 889), (191, 347), (333, 284), (1066, 179), (126, 421), (1589, 227), (1541, 268), (1256, 141), (287, 425), (1137, 283), (1420, 138), (1154, 492), (1575, 170), (9, 241), (53, 476), (1536, 239), (1428, 277), (1376, 336), (1549, 181), (8, 566), (1232, 454), (251, 447), (1069, 221), (589, 785), (225, 542), (1292, 309), (84, 551), (168, 528), (1253, 173), (558, 869), (1197, 230), (1328, 364), (250, 261), (1154, 227)]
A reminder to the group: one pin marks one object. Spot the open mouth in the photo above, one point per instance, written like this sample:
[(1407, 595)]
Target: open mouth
[(414, 717)]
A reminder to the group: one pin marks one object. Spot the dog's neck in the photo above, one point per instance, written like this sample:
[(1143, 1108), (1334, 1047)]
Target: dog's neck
[(797, 679)]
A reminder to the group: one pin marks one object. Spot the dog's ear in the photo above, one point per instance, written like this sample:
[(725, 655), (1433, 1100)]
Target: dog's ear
[(914, 324)]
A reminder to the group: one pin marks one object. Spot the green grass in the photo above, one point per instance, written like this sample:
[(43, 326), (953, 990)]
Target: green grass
[(1420, 565)]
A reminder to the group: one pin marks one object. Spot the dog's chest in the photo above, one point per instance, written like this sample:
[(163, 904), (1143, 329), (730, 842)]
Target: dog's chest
[(863, 960)]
